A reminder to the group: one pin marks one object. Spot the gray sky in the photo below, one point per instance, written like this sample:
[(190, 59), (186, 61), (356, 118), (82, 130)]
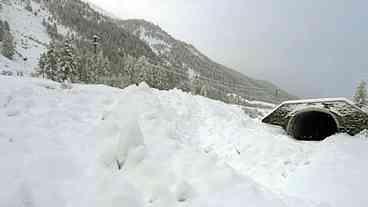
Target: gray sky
[(311, 48)]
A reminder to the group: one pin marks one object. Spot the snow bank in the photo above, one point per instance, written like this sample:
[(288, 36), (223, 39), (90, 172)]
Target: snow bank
[(336, 173), (100, 146), (141, 145), (46, 145)]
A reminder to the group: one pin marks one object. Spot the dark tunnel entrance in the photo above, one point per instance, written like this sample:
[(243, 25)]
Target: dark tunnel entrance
[(312, 126)]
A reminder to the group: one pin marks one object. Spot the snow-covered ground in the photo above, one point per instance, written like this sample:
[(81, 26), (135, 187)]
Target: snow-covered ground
[(94, 145)]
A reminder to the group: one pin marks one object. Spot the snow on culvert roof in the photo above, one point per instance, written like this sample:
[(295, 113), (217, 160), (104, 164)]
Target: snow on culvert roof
[(340, 99)]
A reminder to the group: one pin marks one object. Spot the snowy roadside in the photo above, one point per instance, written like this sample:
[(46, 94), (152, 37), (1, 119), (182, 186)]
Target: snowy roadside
[(99, 146)]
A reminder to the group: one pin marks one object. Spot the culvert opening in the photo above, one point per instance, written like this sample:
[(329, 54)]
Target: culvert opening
[(312, 126)]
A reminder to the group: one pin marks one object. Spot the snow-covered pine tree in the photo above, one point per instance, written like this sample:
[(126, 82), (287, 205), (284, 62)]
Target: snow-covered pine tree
[(2, 30), (48, 64), (67, 63), (8, 47), (93, 68), (129, 68), (204, 90), (102, 67), (40, 71), (360, 97), (28, 6), (165, 78), (196, 85), (52, 30), (6, 26), (82, 68), (142, 72), (172, 79)]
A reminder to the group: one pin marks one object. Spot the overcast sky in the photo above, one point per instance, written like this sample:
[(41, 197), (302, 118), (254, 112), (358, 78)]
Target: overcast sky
[(311, 48)]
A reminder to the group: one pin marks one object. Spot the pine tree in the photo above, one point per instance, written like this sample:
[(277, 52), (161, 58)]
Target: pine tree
[(360, 97), (82, 68), (129, 68), (196, 85), (2, 30), (67, 64), (101, 67), (52, 30), (8, 48), (28, 6), (6, 26), (96, 68), (143, 72), (91, 69), (48, 64), (40, 71)]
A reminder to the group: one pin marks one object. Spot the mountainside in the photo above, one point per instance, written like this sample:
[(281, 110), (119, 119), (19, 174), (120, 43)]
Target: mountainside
[(185, 56), (29, 34), (87, 22), (167, 59)]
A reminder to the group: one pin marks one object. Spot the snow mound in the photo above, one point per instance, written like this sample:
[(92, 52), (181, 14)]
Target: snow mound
[(93, 145), (141, 142)]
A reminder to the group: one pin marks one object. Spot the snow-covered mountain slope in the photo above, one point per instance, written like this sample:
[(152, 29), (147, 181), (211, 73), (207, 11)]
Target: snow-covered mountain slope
[(99, 146), (186, 57), (30, 35), (99, 9), (135, 37)]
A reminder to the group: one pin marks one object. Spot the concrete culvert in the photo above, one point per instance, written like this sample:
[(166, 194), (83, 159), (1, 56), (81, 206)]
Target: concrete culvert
[(316, 119), (312, 125)]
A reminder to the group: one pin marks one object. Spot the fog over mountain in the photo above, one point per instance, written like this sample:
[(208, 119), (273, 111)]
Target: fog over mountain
[(310, 48)]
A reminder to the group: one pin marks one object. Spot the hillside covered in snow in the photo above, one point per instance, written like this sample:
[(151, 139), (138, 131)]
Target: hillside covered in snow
[(30, 35), (36, 23), (94, 145), (185, 56)]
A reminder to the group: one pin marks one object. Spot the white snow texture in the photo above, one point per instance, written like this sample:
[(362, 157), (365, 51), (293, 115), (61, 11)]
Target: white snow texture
[(100, 146)]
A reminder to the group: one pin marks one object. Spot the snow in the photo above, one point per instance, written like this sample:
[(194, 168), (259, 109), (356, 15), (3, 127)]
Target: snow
[(323, 100), (93, 145), (317, 100), (260, 104), (336, 175), (30, 35), (158, 46), (192, 74), (101, 10)]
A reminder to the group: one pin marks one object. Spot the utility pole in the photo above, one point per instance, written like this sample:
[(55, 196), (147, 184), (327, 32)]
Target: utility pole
[(24, 66), (95, 43)]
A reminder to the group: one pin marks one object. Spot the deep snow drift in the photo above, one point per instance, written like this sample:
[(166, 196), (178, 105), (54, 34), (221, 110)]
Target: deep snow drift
[(100, 146)]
